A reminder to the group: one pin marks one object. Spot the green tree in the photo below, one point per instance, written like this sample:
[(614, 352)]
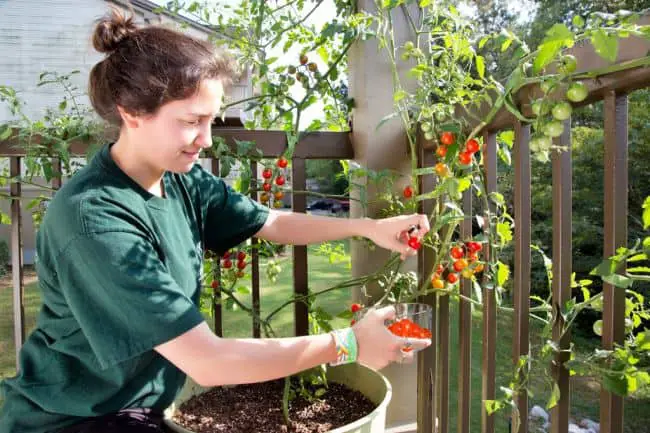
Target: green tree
[(549, 12), (329, 175)]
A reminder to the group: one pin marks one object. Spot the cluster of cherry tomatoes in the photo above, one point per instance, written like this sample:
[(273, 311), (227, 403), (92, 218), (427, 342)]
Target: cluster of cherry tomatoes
[(401, 327), (237, 267), (300, 73), (408, 328), (465, 156), (464, 260), (274, 180)]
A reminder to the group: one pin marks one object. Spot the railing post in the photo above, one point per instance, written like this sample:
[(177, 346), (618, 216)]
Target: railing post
[(300, 280), (17, 257), (522, 274), (562, 254), (255, 266), (488, 362), (465, 329), (216, 297), (427, 373), (615, 205)]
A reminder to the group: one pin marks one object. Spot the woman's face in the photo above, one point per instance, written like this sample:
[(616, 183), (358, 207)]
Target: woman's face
[(171, 139)]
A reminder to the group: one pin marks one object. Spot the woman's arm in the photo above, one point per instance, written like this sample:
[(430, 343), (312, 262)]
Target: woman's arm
[(301, 229), (213, 361)]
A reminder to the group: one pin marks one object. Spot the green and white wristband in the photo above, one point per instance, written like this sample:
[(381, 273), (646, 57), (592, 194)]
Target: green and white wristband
[(346, 346)]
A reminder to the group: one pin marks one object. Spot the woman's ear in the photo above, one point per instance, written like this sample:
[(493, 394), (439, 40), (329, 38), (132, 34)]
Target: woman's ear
[(129, 120)]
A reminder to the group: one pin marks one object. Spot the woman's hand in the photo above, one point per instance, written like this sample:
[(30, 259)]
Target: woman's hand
[(378, 346), (393, 233)]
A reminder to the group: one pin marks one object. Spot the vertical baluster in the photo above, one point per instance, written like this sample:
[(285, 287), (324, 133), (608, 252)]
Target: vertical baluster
[(443, 364), (488, 363), (57, 172), (616, 173), (562, 187), (465, 328), (17, 257), (255, 268), (522, 258), (216, 304), (300, 281), (427, 373)]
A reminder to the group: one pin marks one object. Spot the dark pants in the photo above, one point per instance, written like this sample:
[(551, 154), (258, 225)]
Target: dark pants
[(126, 421)]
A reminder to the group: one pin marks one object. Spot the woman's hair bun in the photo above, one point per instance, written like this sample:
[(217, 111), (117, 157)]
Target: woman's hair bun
[(111, 30)]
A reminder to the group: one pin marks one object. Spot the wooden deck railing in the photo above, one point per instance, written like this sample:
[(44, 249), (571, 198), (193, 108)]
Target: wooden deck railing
[(433, 375), (317, 145)]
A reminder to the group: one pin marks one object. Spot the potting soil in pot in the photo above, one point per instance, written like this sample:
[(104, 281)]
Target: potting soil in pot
[(257, 408)]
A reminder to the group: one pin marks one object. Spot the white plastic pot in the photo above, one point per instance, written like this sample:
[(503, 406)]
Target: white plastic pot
[(369, 382)]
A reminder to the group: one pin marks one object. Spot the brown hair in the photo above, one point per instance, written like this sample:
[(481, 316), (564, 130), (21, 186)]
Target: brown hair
[(148, 67)]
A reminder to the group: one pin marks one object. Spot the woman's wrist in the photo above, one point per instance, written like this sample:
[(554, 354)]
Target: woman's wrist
[(365, 227), (346, 346)]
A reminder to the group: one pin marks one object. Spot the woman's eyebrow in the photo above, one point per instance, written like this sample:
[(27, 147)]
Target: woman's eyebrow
[(210, 115)]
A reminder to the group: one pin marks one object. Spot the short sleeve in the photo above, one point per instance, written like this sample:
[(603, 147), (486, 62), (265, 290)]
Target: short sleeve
[(232, 217), (122, 295)]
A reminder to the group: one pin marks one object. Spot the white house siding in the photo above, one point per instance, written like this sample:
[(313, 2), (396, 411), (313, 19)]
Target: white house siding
[(55, 35)]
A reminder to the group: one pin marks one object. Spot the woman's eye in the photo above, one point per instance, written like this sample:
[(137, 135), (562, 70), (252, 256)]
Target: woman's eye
[(192, 122)]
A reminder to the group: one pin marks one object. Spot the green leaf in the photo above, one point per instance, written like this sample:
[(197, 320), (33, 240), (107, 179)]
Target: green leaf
[(585, 293), (497, 198), (646, 213), (605, 45), (642, 341), (618, 280), (320, 392), (480, 66), (6, 133), (424, 3), (616, 384), (491, 406), (323, 53), (559, 33), (506, 44), (399, 95), (464, 183), (557, 37), (546, 55), (503, 273), (606, 267), (578, 21), (635, 269), (638, 257), (345, 314), (243, 290), (554, 398), (505, 232), (5, 219), (483, 41), (507, 137), (193, 7)]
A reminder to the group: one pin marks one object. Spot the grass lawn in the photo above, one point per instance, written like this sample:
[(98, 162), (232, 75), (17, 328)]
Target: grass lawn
[(322, 274)]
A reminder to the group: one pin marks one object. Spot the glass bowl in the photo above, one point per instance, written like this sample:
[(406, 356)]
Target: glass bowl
[(412, 320)]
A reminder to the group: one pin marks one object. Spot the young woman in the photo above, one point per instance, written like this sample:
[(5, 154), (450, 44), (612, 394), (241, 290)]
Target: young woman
[(120, 255)]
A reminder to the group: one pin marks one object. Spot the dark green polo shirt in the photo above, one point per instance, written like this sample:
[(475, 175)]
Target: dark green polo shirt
[(120, 273)]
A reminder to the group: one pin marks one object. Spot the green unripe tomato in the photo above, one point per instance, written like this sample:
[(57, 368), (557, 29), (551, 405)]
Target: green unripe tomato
[(562, 110), (554, 128), (577, 92)]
